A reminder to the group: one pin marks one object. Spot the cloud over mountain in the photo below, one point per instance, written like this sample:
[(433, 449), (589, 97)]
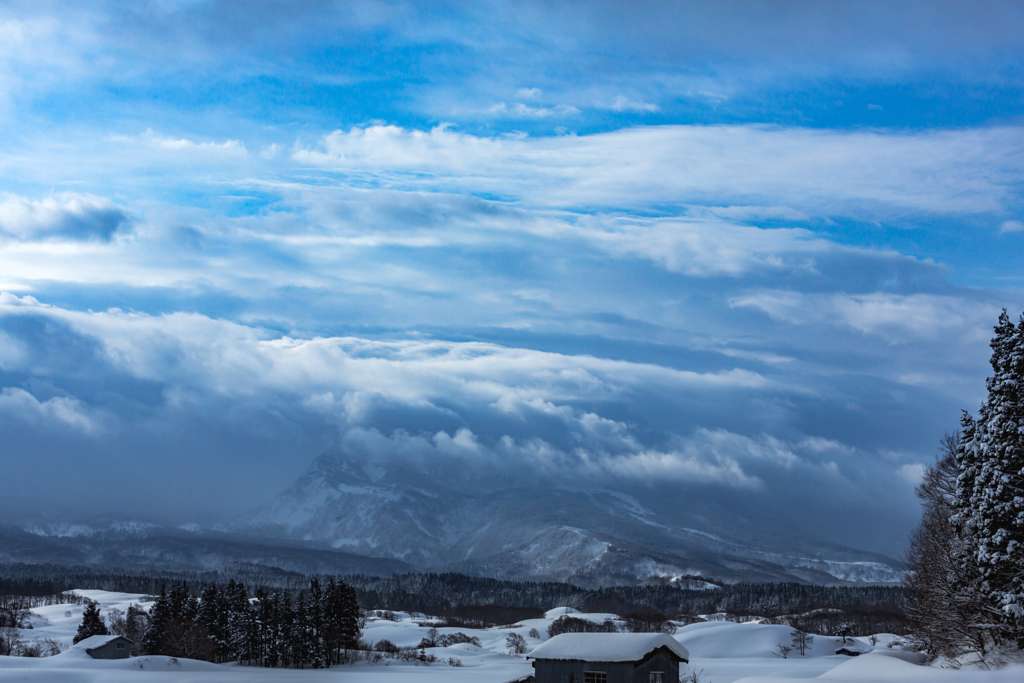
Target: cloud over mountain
[(735, 252)]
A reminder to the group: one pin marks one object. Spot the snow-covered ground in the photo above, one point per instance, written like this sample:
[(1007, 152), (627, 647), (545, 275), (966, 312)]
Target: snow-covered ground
[(724, 651)]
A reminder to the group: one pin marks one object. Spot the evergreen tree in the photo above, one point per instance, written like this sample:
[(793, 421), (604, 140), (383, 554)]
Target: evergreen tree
[(240, 624), (136, 622), (319, 657), (263, 632), (177, 600), (212, 615), (92, 624), (159, 617), (341, 619), (299, 640), (989, 500)]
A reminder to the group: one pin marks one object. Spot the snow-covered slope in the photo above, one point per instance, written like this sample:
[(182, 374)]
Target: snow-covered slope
[(444, 519), (724, 652), (117, 546)]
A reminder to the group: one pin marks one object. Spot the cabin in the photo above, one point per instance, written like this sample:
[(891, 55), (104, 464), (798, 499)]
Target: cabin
[(853, 648), (608, 658), (106, 647)]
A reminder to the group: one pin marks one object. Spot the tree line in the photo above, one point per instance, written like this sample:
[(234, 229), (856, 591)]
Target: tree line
[(966, 558), (441, 594), (472, 601), (316, 629)]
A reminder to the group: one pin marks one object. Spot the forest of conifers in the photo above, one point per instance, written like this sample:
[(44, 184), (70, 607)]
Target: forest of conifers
[(484, 601)]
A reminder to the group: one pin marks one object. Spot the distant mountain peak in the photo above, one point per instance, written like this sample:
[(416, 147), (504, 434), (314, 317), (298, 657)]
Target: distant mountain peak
[(409, 511)]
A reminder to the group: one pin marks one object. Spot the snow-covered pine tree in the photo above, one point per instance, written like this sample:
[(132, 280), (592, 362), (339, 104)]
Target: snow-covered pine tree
[(989, 499), (240, 623), (299, 641), (159, 616), (319, 655), (92, 624), (212, 615)]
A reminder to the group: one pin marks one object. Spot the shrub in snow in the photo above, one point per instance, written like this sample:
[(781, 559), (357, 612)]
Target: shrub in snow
[(567, 624), (449, 639), (10, 641), (386, 646), (649, 621)]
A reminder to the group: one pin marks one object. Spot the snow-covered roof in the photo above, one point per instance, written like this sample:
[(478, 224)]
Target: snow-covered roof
[(93, 642), (607, 647), (853, 646)]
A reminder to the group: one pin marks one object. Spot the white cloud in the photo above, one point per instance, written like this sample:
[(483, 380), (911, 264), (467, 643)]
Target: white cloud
[(12, 352), (1011, 226), (59, 410), (892, 316), (818, 172), (707, 247), (912, 473), (621, 103), (527, 93), (233, 360), (228, 148), (526, 111), (67, 216), (655, 466)]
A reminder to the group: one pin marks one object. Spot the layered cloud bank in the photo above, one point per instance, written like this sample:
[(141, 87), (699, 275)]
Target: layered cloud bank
[(755, 266)]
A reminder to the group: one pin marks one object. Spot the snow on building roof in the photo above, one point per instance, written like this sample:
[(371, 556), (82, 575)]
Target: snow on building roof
[(93, 642), (854, 646), (607, 647)]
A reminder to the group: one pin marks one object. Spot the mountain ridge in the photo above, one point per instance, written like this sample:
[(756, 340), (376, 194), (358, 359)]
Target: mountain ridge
[(419, 514)]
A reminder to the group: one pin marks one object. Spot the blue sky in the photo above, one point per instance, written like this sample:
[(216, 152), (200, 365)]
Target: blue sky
[(748, 250)]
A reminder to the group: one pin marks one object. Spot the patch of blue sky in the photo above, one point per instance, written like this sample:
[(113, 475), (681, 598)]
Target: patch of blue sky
[(794, 278)]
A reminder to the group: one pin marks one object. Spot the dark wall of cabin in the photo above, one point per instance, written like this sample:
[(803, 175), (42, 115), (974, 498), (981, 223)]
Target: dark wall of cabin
[(571, 671), (111, 650), (661, 660)]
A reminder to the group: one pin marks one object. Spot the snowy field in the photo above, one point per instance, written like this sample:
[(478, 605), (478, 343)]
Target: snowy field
[(724, 651)]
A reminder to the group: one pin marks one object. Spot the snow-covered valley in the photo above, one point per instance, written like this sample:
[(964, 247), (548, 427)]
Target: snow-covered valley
[(723, 651)]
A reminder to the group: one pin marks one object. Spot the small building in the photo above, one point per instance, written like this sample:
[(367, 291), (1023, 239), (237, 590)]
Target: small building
[(853, 648), (106, 647), (608, 658)]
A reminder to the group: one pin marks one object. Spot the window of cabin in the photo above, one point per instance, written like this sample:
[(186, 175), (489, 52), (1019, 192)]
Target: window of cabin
[(120, 646), (595, 677), (657, 677)]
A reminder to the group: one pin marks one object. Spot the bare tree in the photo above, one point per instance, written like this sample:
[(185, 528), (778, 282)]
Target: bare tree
[(691, 676), (516, 644), (116, 622), (431, 638), (783, 650), (801, 640), (10, 641), (188, 640), (943, 607)]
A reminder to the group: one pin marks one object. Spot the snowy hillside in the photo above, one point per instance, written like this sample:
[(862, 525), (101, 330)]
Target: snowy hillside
[(432, 519), (725, 652), (149, 545)]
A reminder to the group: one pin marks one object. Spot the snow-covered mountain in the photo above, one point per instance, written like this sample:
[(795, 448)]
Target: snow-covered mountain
[(440, 518)]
